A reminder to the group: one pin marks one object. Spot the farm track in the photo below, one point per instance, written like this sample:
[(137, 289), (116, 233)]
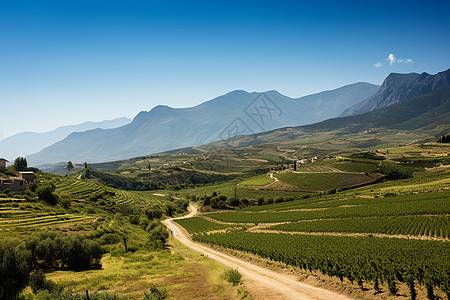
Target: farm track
[(286, 286)]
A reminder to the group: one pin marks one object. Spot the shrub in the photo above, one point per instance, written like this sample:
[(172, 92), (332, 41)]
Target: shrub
[(233, 202), (155, 293), (232, 276), (260, 200), (279, 200), (45, 193)]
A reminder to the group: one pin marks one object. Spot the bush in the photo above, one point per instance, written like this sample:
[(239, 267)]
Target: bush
[(260, 200), (45, 193), (232, 276), (279, 200), (38, 282), (233, 202), (155, 293)]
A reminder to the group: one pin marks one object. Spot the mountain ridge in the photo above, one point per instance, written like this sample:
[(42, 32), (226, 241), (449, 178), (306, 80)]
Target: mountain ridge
[(397, 87), (28, 142), (164, 128)]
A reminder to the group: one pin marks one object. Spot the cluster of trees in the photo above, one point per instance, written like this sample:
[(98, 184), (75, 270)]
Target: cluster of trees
[(121, 182), (43, 251), (54, 250), (444, 139)]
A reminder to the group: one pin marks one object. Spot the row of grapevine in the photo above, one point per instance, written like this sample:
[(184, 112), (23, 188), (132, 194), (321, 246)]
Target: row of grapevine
[(421, 204), (199, 224), (432, 226), (359, 259)]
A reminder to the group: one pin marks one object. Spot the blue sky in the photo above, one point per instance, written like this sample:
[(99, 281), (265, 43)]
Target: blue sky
[(66, 62)]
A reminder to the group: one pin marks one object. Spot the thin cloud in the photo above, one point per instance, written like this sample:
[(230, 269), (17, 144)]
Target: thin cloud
[(391, 59)]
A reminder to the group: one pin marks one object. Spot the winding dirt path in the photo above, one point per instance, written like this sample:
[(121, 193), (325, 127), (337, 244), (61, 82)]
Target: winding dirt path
[(286, 286)]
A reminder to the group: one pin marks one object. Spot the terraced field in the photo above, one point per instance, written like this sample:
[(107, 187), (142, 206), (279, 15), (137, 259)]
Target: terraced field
[(23, 217), (78, 189)]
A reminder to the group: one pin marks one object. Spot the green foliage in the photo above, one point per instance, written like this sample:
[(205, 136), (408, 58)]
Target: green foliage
[(157, 235), (38, 282), (45, 193), (367, 155), (126, 183), (155, 293), (233, 202), (395, 171), (69, 166), (20, 164), (75, 252), (444, 139), (14, 271), (232, 276)]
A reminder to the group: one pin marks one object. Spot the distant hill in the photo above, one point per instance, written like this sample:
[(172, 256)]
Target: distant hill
[(26, 143), (430, 112), (164, 128), (397, 87)]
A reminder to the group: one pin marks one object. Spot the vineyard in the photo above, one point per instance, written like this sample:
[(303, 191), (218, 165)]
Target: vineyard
[(82, 189), (315, 182), (360, 259), (420, 204), (199, 225), (78, 189), (427, 226)]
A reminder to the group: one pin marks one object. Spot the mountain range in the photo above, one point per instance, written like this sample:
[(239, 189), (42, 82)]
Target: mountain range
[(26, 143), (429, 112), (165, 128), (397, 87)]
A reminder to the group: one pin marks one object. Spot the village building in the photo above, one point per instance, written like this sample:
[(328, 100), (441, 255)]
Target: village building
[(27, 175), (3, 164), (14, 184)]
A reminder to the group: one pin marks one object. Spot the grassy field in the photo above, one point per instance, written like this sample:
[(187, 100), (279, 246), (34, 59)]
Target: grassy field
[(184, 274), (257, 181)]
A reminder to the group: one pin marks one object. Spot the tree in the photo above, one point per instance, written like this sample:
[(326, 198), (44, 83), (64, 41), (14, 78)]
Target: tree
[(14, 273), (20, 164), (149, 167), (85, 165), (45, 192), (69, 166)]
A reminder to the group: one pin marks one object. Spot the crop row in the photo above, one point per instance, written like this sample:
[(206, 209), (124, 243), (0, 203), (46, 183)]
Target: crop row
[(421, 204), (199, 224), (359, 259), (433, 226), (78, 188), (42, 219)]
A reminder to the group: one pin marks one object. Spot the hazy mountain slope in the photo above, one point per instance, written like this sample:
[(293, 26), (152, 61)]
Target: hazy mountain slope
[(397, 87), (238, 112), (430, 111), (25, 143)]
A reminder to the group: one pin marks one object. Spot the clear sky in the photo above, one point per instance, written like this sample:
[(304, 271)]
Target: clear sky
[(68, 61)]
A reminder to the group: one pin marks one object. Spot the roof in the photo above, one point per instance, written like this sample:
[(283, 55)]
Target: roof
[(26, 172), (4, 159)]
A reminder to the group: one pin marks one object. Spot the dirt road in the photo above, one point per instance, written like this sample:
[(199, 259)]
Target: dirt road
[(283, 285)]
